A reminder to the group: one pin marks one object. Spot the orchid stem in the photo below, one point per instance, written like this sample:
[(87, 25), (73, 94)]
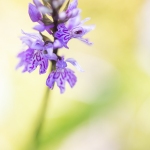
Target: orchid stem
[(41, 120)]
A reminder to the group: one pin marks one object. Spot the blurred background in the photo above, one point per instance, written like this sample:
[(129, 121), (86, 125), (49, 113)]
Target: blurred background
[(108, 109)]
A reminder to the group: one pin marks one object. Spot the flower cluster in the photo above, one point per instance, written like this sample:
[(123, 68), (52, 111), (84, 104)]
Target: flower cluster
[(62, 26)]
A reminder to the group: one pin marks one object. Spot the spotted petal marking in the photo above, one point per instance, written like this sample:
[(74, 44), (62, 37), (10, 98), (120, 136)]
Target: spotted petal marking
[(63, 34), (38, 59), (50, 80), (61, 83), (71, 78), (25, 58), (43, 65), (60, 76), (33, 63), (55, 76)]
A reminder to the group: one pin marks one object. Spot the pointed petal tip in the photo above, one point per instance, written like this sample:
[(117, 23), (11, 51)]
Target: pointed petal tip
[(74, 63)]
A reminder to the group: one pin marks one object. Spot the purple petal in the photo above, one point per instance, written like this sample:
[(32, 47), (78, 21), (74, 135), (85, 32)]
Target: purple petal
[(73, 13), (36, 60), (26, 41), (61, 63), (73, 22), (86, 41), (28, 54), (60, 76), (57, 74), (63, 35), (50, 80), (85, 20), (74, 63), (62, 15), (34, 14), (72, 5), (51, 56), (33, 64), (38, 45), (48, 28), (43, 65), (63, 74), (61, 84), (21, 63), (57, 44), (71, 78), (39, 28), (88, 28), (49, 46), (25, 58), (35, 36)]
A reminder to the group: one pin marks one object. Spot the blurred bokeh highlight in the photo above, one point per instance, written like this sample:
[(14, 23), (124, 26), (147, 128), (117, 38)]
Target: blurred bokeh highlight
[(108, 109)]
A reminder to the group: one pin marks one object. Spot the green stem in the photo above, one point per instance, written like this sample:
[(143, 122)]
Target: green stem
[(41, 118)]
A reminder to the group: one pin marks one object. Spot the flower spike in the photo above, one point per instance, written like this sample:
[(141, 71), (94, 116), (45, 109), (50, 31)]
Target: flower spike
[(39, 49)]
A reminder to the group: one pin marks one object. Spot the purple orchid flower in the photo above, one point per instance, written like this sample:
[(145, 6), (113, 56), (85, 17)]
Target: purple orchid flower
[(72, 11), (73, 29), (36, 12), (63, 27), (63, 74), (37, 54)]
